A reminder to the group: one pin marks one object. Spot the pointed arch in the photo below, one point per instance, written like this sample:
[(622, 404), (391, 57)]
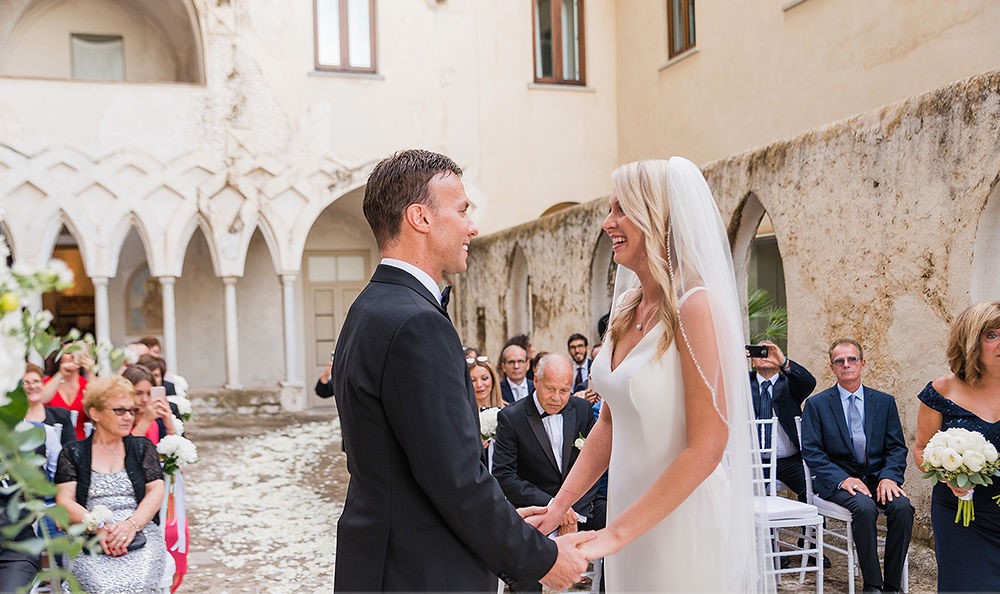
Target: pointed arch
[(273, 246), (197, 222), (602, 282), (51, 236), (118, 236), (986, 250), (518, 310)]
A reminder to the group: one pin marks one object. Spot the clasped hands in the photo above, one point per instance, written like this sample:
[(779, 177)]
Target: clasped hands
[(115, 538), (576, 549), (886, 491)]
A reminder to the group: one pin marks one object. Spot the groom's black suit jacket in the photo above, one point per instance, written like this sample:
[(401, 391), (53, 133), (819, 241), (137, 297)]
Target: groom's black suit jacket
[(523, 462), (422, 512)]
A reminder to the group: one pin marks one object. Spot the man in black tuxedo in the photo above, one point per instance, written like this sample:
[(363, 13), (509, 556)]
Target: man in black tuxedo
[(422, 512), (515, 364), (779, 386), (853, 442), (536, 447)]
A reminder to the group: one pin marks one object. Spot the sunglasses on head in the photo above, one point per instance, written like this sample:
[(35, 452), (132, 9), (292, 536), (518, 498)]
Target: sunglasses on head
[(474, 360)]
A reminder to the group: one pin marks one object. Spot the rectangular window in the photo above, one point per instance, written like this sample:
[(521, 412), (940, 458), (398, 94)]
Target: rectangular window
[(345, 35), (97, 57), (559, 43), (680, 26)]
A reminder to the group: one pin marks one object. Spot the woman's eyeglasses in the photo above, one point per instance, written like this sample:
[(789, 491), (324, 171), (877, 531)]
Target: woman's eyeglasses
[(121, 412)]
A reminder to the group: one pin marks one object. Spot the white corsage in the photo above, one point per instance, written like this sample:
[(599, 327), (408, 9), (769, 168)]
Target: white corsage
[(99, 517), (580, 442)]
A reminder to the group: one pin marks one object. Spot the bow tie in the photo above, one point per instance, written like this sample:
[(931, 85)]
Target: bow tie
[(545, 414), (445, 297)]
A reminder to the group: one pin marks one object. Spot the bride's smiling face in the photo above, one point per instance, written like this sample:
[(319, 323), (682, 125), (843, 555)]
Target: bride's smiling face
[(627, 241)]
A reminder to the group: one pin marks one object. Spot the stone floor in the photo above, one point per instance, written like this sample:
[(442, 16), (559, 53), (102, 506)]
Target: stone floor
[(265, 498)]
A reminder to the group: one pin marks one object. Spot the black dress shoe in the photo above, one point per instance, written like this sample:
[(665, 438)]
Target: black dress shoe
[(870, 588), (785, 562), (826, 562)]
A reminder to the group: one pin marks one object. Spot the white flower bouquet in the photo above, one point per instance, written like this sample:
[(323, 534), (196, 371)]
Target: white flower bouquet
[(963, 459), (183, 405), (99, 517), (176, 452), (488, 423)]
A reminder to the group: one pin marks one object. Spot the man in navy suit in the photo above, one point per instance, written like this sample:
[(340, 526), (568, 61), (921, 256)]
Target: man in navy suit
[(779, 385), (853, 442), (515, 385), (535, 447), (422, 512)]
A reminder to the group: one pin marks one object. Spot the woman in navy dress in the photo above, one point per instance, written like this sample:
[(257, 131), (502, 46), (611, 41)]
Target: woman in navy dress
[(968, 558)]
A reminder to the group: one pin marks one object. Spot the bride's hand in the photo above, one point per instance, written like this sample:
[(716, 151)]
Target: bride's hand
[(604, 544), (546, 521)]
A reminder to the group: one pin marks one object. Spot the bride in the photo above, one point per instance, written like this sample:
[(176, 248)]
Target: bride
[(673, 372)]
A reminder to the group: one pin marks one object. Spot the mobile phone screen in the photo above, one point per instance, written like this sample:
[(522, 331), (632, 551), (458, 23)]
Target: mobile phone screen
[(158, 392)]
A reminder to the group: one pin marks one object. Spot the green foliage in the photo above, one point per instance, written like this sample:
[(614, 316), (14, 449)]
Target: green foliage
[(767, 322)]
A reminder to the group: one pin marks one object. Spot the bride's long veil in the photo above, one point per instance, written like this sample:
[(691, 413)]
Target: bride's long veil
[(699, 257)]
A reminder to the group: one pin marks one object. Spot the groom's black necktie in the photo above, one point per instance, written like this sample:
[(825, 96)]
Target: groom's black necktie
[(445, 297)]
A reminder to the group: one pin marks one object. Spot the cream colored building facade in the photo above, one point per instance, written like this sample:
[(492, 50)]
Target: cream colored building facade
[(211, 195)]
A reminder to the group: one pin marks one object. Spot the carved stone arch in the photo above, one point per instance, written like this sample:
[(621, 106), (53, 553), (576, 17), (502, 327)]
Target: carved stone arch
[(51, 236), (518, 311), (307, 221), (273, 245), (196, 222), (117, 243), (756, 255), (602, 282), (164, 40), (985, 283)]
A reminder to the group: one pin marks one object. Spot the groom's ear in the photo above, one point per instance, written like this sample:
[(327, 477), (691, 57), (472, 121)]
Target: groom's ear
[(418, 217)]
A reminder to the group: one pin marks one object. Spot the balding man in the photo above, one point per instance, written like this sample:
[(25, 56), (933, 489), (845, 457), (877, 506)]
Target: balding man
[(536, 445)]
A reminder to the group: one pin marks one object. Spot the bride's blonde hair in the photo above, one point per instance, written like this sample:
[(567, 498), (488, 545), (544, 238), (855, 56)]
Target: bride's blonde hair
[(641, 189)]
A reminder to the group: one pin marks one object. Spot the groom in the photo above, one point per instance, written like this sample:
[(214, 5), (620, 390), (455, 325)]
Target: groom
[(422, 512)]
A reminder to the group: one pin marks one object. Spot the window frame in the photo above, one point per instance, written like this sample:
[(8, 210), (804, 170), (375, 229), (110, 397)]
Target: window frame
[(558, 77), (687, 6), (345, 54)]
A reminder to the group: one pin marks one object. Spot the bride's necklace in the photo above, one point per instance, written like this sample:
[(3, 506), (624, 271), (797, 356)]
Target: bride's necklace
[(644, 320)]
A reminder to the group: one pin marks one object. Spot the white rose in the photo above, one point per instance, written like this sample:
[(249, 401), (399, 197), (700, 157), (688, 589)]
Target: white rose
[(973, 460), (950, 459), (932, 456), (488, 421), (12, 353), (958, 442), (990, 453), (178, 426), (579, 443)]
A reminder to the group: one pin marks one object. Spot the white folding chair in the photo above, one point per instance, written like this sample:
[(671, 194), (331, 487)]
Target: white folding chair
[(777, 513), (833, 511)]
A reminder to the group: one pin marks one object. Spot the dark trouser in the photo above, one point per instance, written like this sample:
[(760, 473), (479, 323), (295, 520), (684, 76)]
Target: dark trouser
[(16, 573), (790, 472), (899, 527)]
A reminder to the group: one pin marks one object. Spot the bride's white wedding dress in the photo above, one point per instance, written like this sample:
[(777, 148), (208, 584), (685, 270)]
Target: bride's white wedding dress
[(687, 551)]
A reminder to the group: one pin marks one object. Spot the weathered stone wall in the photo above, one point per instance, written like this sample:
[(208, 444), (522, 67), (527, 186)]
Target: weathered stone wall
[(875, 216)]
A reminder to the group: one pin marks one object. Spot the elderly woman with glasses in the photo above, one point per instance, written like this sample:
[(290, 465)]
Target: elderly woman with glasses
[(120, 472)]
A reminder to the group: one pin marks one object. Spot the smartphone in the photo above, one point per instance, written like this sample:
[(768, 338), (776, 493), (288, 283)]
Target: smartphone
[(757, 351), (158, 393)]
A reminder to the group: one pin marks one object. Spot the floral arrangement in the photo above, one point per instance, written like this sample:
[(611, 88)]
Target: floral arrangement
[(488, 423), (580, 442), (178, 426), (99, 517), (183, 407), (176, 452), (963, 459)]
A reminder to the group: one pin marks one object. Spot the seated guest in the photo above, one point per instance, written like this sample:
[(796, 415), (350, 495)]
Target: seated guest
[(485, 385), (535, 447), (324, 385), (524, 342), (122, 473), (853, 442), (156, 418), (778, 386), (39, 413), (577, 346), (64, 388), (515, 384)]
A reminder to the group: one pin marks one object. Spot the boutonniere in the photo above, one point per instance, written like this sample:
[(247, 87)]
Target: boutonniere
[(580, 441)]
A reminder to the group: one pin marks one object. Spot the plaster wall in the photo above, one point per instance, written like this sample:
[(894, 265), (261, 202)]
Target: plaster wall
[(876, 218), (762, 73)]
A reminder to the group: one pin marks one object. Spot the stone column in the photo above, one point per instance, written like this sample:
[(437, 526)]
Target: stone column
[(102, 310), (232, 335), (169, 321), (293, 362)]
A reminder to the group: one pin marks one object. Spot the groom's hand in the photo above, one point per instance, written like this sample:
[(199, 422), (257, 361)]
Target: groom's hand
[(569, 564), (527, 512)]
